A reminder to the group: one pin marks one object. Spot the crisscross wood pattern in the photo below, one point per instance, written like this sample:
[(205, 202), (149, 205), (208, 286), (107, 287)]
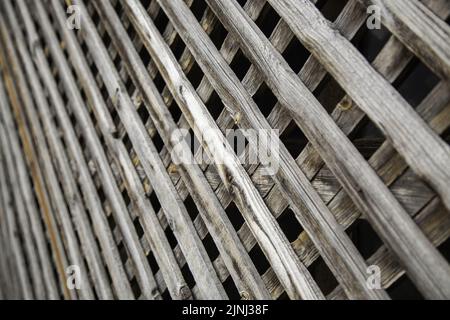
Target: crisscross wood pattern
[(96, 175)]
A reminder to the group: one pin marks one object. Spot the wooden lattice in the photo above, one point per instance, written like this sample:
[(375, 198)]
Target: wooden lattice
[(93, 95)]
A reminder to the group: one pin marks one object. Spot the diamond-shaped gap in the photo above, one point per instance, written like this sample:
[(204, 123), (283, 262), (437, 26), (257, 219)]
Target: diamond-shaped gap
[(166, 295), (235, 216), (215, 105), (365, 239), (267, 20), (367, 137), (126, 197), (158, 142), (289, 224), (191, 208), (293, 139), (323, 276), (240, 65), (415, 82), (369, 42), (198, 8), (101, 195), (137, 225), (111, 222), (161, 21), (152, 262), (130, 30), (155, 202), (177, 47), (159, 82), (230, 289), (118, 62), (368, 146), (122, 251), (259, 259), (320, 3), (210, 247), (296, 55), (194, 74), (127, 142), (129, 85), (135, 288), (100, 84), (331, 9), (175, 111), (283, 296), (117, 6), (171, 237), (218, 35), (329, 93), (265, 99), (145, 3), (143, 113), (187, 275), (145, 56), (404, 289), (107, 41)]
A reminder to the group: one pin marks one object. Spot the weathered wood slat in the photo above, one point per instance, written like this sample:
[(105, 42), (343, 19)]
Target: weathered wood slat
[(183, 229), (12, 223), (429, 156), (68, 183), (341, 157), (92, 116), (122, 218), (388, 164), (419, 29), (433, 220), (161, 248), (238, 262), (353, 31), (101, 228), (72, 247), (252, 206), (293, 180), (41, 195)]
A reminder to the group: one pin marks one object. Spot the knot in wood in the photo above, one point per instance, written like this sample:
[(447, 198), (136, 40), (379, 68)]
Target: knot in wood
[(184, 292)]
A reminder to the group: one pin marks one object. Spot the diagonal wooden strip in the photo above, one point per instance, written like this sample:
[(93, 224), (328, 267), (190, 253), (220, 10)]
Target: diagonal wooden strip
[(68, 182), (239, 264), (195, 253), (428, 156), (123, 290), (160, 246), (349, 27), (43, 200), (143, 272), (36, 273), (231, 172), (360, 181), (72, 247), (337, 249), (7, 165), (434, 220), (419, 29), (390, 166)]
